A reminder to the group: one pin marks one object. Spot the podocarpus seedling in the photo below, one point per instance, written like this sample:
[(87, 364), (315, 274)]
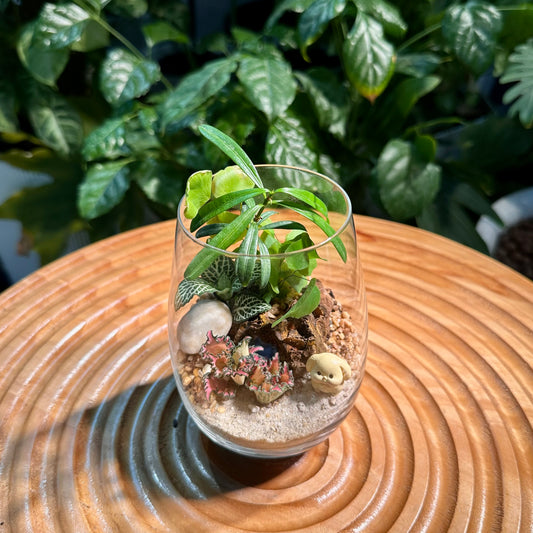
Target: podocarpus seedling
[(233, 211)]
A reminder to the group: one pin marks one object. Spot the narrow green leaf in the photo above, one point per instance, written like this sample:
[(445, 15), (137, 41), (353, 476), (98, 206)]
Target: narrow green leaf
[(265, 264), (284, 224), (160, 31), (368, 57), (471, 30), (321, 223), (229, 235), (214, 207), (103, 188), (268, 83), (306, 304), (209, 229), (232, 150), (124, 77), (305, 196), (246, 262)]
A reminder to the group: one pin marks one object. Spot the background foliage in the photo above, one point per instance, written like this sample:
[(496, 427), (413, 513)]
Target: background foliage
[(422, 110)]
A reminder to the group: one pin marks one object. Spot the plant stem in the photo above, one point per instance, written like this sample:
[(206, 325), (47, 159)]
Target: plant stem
[(117, 35), (419, 36)]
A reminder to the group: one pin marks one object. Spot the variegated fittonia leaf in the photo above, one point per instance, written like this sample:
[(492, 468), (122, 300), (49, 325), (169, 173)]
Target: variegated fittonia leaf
[(189, 288), (221, 266), (246, 306)]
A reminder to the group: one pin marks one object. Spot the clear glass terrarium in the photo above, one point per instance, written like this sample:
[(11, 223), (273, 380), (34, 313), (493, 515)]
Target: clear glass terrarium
[(257, 372)]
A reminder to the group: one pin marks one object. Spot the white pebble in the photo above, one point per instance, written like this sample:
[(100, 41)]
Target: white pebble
[(203, 316)]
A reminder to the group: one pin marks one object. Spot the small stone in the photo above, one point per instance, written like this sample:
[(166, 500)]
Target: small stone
[(203, 316), (301, 406), (332, 401)]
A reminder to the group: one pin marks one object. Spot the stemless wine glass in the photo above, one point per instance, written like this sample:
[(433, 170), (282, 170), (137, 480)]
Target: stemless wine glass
[(317, 391)]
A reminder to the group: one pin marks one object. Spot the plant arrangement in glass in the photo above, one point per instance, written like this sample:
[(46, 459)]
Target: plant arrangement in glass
[(267, 309)]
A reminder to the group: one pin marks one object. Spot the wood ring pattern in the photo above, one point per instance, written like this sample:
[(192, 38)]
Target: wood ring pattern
[(93, 436)]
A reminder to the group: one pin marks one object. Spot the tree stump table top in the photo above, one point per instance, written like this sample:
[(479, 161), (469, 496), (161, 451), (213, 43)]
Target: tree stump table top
[(93, 436)]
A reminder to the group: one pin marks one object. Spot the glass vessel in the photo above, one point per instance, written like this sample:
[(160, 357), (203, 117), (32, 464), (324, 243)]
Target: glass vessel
[(268, 386)]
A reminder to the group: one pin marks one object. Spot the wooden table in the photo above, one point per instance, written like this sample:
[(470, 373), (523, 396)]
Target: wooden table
[(93, 436)]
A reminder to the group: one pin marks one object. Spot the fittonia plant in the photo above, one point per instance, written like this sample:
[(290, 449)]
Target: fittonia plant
[(233, 211)]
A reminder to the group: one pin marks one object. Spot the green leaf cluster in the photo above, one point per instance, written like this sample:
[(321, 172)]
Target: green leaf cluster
[(343, 87)]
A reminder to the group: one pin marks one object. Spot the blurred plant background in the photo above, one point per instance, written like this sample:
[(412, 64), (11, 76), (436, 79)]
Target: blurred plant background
[(421, 110)]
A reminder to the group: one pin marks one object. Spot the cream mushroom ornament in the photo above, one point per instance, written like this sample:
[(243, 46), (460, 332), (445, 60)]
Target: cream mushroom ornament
[(328, 372)]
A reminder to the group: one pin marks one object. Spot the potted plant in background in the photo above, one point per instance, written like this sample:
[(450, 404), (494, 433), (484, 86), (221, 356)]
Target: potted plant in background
[(267, 309), (420, 111)]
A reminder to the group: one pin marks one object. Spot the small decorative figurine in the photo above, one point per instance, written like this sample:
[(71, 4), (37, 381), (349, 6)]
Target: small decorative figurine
[(328, 372)]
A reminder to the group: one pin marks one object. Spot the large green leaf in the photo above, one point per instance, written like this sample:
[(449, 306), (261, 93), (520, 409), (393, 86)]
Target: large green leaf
[(471, 30), (160, 181), (60, 25), (407, 179), (368, 57), (103, 188), (45, 64), (417, 65), (289, 143), (520, 72), (268, 83), (93, 37), (195, 89), (55, 122), (329, 97), (315, 19), (106, 141), (306, 304), (124, 77), (387, 14)]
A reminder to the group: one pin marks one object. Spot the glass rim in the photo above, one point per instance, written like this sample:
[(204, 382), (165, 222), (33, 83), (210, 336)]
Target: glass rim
[(228, 253)]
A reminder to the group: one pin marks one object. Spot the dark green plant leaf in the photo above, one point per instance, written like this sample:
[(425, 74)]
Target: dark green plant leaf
[(55, 122), (330, 98), (284, 224), (160, 181), (520, 72), (471, 30), (60, 25), (265, 264), (210, 229), (8, 114), (296, 6), (188, 289), (93, 37), (246, 262), (218, 205), (124, 77), (245, 306), (195, 89), (160, 31), (44, 64), (268, 83), (228, 236), (407, 181), (305, 305), (129, 8), (368, 57), (107, 141), (517, 27), (103, 188), (315, 19), (289, 143), (232, 150), (417, 65), (221, 268), (385, 13)]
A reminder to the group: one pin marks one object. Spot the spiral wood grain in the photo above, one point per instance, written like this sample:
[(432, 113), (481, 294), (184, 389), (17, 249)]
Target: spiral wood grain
[(93, 436)]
